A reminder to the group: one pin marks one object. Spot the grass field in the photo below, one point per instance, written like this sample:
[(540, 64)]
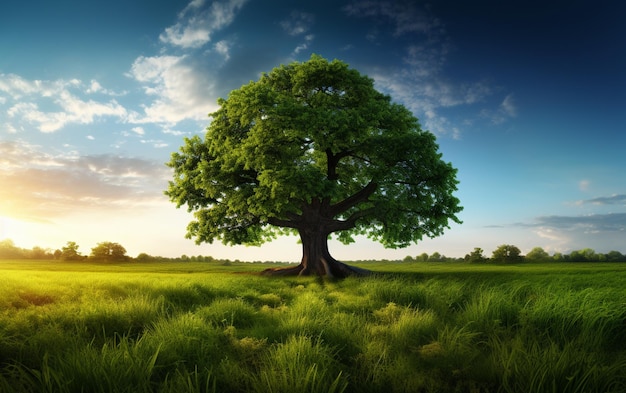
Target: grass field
[(421, 327)]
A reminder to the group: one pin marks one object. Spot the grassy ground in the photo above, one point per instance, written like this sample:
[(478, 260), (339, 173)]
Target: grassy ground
[(199, 327)]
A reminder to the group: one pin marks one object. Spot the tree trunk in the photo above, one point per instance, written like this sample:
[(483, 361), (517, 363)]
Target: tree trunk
[(316, 259)]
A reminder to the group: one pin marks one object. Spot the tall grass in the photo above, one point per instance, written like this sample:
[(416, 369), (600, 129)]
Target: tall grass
[(411, 328)]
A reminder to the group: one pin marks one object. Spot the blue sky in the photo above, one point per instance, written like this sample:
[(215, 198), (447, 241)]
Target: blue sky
[(527, 100)]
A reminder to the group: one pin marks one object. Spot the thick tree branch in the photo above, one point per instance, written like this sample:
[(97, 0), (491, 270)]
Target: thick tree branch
[(354, 199), (350, 222), (331, 163), (284, 223)]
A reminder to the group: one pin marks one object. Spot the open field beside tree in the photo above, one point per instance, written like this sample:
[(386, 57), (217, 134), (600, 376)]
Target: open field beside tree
[(411, 327)]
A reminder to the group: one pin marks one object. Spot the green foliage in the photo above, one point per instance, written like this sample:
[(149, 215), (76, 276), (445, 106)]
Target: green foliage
[(70, 252), (313, 138), (9, 250), (537, 254), (507, 253), (475, 256), (109, 251)]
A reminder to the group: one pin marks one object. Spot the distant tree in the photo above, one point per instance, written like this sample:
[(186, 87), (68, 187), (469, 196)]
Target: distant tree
[(109, 251), (40, 253), (615, 256), (558, 257), (57, 254), (314, 148), (537, 254), (408, 259), (423, 257), (435, 257), (70, 252), (590, 254), (584, 255), (143, 257), (8, 249), (507, 253), (476, 256)]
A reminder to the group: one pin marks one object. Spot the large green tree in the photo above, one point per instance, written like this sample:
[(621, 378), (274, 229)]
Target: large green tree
[(314, 148)]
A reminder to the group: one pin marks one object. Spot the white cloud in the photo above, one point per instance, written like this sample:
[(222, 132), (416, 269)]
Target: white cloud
[(17, 86), (305, 45), (168, 131), (28, 96), (558, 241), (84, 112), (156, 143), (75, 111), (182, 90), (94, 87), (196, 25), (223, 48)]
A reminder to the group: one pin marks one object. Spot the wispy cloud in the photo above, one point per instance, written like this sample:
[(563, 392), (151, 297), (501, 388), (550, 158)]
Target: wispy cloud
[(419, 83), (196, 23), (592, 223), (39, 185), (95, 87), (428, 96), (616, 199), (139, 130), (305, 45), (223, 48), (583, 185), (505, 111), (406, 16), (298, 23), (508, 106)]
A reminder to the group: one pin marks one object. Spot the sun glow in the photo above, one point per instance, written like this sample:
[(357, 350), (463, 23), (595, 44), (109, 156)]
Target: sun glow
[(15, 230), (4, 225)]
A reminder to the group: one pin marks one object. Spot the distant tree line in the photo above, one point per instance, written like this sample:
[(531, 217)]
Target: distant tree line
[(115, 252), (102, 252), (508, 253)]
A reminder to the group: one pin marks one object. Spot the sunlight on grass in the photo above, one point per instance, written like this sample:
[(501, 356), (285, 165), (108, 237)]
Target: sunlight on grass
[(414, 329)]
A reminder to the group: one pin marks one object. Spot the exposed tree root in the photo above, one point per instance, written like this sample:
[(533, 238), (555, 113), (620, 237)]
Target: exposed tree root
[(331, 268)]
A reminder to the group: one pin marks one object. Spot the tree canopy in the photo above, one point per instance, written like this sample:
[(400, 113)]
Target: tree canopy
[(109, 251), (507, 253), (70, 252), (314, 148)]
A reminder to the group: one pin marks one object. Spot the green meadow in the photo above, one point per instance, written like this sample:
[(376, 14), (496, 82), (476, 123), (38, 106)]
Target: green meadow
[(411, 327)]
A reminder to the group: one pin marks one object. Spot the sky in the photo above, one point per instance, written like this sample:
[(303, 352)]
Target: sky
[(527, 100)]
